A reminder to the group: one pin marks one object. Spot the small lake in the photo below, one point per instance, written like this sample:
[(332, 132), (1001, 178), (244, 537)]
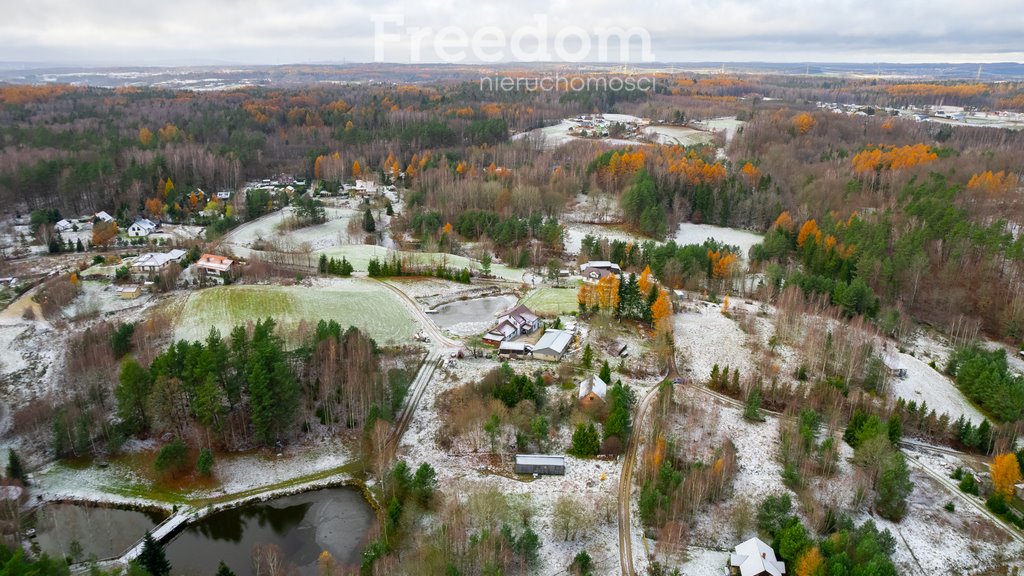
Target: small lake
[(82, 531), (467, 317), (300, 527)]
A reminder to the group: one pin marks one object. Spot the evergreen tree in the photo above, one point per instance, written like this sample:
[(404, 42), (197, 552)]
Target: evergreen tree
[(152, 557), (15, 469), (586, 442), (223, 570), (131, 393), (368, 223), (588, 357), (606, 372), (894, 486)]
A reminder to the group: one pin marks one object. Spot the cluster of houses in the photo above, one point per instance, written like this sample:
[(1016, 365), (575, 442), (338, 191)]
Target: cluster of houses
[(521, 321), (211, 267), (65, 225)]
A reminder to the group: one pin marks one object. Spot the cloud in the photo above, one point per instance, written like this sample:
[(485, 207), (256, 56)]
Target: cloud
[(280, 31)]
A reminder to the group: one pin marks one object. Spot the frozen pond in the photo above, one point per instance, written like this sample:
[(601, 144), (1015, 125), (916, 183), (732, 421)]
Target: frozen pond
[(298, 528), (468, 317), (81, 531)]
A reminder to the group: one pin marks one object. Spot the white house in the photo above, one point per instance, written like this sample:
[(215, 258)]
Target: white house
[(63, 226), (141, 227), (592, 389), (552, 345), (597, 269), (156, 261), (224, 194), (104, 217), (755, 558), (213, 266), (512, 324)]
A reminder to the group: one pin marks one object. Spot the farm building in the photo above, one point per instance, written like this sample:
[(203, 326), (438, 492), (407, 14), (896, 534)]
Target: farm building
[(141, 227), (755, 558), (103, 216), (63, 226), (156, 261), (592, 391), (129, 292), (216, 267), (512, 324), (512, 349), (552, 345), (540, 464)]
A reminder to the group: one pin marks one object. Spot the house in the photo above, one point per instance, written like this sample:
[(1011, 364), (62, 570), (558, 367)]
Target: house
[(213, 266), (156, 261), (224, 194), (508, 349), (594, 271), (540, 464), (129, 292), (755, 558), (63, 226), (512, 324), (141, 228), (552, 345), (592, 390), (365, 187), (104, 217)]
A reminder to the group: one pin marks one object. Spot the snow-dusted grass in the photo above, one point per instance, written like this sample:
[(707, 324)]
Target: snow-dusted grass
[(351, 302), (552, 301), (574, 234), (705, 337), (678, 135), (359, 255), (925, 384), (690, 233)]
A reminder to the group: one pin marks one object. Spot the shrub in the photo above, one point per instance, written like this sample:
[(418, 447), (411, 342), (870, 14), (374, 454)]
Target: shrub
[(172, 457)]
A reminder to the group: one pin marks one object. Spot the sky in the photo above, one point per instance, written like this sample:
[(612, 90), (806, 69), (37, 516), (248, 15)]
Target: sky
[(204, 32)]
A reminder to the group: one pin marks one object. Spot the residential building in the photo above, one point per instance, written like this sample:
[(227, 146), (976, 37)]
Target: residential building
[(104, 217), (512, 324), (540, 464), (755, 558), (595, 270), (217, 267), (592, 391), (63, 226), (141, 228), (552, 345), (156, 261)]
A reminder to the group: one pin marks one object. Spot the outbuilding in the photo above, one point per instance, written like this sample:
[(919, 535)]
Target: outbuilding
[(552, 345), (540, 464)]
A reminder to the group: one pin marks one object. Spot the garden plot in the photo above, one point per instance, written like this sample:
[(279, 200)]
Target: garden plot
[(551, 301), (350, 302)]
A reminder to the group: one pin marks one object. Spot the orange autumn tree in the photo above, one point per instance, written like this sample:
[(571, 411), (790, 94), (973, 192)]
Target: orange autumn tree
[(751, 174), (877, 158), (103, 233), (808, 230), (785, 222), (804, 123), (1005, 474), (645, 281), (809, 563), (661, 310), (993, 184), (155, 208), (722, 264), (608, 292), (145, 136), (357, 170)]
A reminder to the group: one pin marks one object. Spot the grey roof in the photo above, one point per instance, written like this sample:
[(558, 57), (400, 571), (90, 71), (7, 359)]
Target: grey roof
[(540, 459), (554, 340), (754, 558), (512, 346)]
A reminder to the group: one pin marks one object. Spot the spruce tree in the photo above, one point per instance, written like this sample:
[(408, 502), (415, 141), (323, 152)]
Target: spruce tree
[(14, 467), (152, 557)]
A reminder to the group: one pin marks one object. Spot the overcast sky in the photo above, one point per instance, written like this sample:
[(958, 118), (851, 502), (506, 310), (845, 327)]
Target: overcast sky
[(181, 32)]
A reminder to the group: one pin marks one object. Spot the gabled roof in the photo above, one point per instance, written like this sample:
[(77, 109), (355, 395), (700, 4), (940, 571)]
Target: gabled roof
[(593, 384), (754, 557), (556, 341), (603, 264), (540, 459), (145, 223), (157, 259), (104, 217)]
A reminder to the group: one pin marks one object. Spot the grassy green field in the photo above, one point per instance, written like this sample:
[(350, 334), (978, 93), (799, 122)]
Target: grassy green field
[(359, 256), (550, 301), (351, 302)]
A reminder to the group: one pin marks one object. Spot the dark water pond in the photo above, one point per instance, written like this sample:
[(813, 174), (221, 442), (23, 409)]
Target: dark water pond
[(81, 531), (297, 528), (483, 310)]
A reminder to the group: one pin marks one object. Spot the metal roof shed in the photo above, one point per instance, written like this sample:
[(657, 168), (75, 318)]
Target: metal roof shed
[(540, 464)]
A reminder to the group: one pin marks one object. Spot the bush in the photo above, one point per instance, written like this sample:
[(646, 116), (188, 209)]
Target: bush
[(968, 484), (204, 465), (172, 458), (586, 442)]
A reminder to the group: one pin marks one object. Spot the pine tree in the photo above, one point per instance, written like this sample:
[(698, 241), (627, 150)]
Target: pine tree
[(152, 557), (368, 223), (222, 568), (606, 372), (14, 467), (588, 357)]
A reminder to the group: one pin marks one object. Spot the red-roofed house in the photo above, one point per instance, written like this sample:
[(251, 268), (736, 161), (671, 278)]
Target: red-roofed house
[(215, 267)]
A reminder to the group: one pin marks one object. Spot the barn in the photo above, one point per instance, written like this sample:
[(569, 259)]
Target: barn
[(540, 464)]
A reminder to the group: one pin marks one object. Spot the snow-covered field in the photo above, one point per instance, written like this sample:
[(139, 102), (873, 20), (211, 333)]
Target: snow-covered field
[(333, 232), (690, 233), (574, 234), (359, 255), (680, 135), (925, 384), (705, 337)]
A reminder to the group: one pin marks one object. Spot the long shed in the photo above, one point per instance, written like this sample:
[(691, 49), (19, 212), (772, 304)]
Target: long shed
[(540, 464)]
